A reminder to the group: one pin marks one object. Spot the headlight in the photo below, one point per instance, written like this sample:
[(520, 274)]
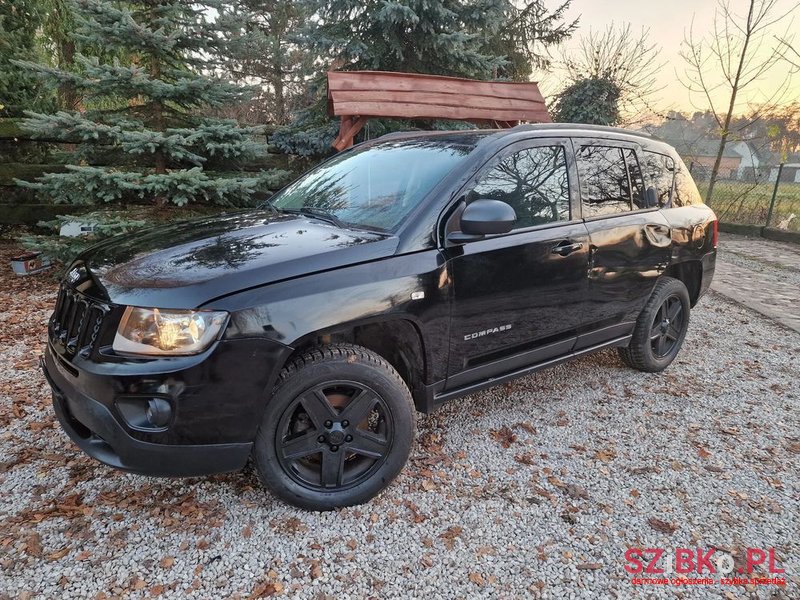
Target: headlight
[(166, 331)]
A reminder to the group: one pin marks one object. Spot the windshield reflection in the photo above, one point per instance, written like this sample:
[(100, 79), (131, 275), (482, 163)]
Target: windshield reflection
[(376, 186)]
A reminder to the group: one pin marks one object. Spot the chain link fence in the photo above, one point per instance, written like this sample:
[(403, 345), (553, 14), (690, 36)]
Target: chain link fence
[(763, 196)]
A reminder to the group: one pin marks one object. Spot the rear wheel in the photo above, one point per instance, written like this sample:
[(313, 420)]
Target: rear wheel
[(337, 430), (660, 328)]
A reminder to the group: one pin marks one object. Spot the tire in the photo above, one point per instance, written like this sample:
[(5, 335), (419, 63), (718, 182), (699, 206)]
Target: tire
[(308, 453), (656, 338)]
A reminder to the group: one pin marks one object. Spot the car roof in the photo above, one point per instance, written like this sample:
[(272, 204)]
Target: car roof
[(475, 137)]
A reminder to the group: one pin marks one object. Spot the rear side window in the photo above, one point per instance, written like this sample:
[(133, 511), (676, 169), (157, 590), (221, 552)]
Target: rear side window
[(660, 170), (635, 177), (533, 181), (605, 187), (686, 192)]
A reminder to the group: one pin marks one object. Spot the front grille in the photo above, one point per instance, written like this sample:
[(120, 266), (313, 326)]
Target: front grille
[(76, 321)]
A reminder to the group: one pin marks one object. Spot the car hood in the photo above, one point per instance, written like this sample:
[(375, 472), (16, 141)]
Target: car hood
[(187, 264)]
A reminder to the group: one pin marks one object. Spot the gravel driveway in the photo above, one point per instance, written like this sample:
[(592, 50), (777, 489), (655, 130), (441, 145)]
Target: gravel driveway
[(533, 489)]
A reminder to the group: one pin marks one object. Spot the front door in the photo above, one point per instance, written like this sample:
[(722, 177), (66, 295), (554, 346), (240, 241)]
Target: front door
[(630, 242), (518, 296)]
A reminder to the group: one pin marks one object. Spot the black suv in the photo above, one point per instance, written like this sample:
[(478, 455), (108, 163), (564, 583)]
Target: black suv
[(407, 271)]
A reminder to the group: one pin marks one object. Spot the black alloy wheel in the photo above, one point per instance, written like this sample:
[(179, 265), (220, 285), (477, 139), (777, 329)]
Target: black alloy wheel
[(337, 428), (334, 435), (660, 328), (667, 327)]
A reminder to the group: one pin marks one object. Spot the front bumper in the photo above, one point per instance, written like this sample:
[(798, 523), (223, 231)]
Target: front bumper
[(207, 434)]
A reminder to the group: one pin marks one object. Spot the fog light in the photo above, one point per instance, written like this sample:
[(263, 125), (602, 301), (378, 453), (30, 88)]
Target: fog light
[(145, 413), (158, 412)]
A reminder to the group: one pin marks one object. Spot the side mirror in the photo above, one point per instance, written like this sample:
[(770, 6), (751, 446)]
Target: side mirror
[(651, 197), (485, 217)]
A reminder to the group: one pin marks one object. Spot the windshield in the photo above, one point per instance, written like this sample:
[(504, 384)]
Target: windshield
[(376, 186)]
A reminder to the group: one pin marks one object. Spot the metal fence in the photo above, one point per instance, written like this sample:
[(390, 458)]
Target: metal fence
[(768, 195)]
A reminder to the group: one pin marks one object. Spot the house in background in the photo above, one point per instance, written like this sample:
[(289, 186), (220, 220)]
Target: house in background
[(742, 160), (789, 174)]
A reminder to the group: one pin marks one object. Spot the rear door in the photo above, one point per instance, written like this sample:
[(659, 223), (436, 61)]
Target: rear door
[(518, 296), (630, 243)]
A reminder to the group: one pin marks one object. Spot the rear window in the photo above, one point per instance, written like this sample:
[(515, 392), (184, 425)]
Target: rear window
[(686, 192), (611, 180), (660, 170)]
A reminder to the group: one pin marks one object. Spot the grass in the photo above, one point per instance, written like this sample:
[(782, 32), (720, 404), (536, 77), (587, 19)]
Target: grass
[(748, 203)]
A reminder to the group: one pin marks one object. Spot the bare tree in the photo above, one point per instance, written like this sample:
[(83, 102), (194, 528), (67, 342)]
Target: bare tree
[(625, 59), (736, 56)]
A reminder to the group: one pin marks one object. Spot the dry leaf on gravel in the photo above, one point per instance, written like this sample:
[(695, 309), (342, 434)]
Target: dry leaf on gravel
[(662, 526), (316, 569), (527, 427), (59, 553), (503, 436), (476, 578), (33, 545), (702, 452), (605, 455), (576, 491), (450, 534), (526, 459)]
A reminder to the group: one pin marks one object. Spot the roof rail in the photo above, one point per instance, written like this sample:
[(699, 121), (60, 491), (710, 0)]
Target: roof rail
[(546, 126)]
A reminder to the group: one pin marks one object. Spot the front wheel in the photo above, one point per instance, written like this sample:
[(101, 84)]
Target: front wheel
[(337, 430), (660, 328)]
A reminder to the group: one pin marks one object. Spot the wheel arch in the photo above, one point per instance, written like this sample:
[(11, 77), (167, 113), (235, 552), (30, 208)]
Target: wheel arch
[(399, 341), (690, 273)]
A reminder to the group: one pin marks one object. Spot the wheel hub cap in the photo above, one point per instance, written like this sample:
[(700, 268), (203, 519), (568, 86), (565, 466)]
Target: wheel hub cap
[(336, 435)]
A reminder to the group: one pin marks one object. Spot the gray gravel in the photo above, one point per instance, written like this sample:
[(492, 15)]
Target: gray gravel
[(533, 489)]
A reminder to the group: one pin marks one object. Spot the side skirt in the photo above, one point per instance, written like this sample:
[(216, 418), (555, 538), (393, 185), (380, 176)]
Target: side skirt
[(435, 398)]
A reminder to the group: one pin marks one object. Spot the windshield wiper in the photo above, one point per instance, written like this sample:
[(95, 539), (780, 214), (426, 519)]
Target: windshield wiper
[(267, 203), (316, 212)]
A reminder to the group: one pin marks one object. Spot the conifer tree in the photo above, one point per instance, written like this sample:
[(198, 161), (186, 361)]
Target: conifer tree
[(19, 89), (142, 136), (479, 39)]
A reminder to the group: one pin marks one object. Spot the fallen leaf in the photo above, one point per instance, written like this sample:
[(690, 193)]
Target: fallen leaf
[(527, 427), (316, 570), (589, 566), (59, 553), (606, 455), (167, 562), (576, 491), (503, 436), (526, 459), (662, 526), (476, 578), (33, 545)]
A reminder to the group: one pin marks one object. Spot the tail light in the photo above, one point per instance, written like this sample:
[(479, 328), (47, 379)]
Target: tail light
[(714, 232)]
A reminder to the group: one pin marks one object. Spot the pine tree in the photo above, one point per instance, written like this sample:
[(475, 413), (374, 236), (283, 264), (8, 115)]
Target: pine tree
[(143, 115), (263, 48), (438, 37), (19, 89), (480, 39)]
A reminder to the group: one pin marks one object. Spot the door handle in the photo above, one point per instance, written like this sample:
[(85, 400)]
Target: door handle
[(566, 247)]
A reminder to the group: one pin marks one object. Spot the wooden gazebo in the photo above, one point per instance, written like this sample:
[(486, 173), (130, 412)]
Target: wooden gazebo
[(355, 96)]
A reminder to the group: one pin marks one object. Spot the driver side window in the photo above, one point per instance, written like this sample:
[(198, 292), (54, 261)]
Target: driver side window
[(533, 181)]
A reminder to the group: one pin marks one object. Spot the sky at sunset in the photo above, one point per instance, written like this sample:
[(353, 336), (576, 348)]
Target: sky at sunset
[(668, 20)]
